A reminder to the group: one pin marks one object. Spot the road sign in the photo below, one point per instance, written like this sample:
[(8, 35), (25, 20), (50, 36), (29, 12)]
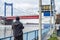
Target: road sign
[(46, 13)]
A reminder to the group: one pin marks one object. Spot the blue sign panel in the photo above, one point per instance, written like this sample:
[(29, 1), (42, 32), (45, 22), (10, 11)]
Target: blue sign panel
[(46, 13)]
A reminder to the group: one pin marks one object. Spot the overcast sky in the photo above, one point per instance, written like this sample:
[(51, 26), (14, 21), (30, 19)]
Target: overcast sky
[(27, 5)]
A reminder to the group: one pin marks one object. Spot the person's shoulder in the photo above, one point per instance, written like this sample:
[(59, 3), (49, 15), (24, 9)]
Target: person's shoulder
[(21, 23)]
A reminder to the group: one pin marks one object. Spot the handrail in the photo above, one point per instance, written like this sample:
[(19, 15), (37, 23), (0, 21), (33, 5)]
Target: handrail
[(6, 38), (35, 31)]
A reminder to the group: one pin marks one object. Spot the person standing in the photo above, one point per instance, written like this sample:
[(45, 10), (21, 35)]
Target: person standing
[(17, 28)]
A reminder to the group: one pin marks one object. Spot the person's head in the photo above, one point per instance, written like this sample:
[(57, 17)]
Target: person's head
[(17, 18)]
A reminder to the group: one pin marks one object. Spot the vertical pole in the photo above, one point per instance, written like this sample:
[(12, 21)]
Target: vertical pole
[(40, 20), (10, 38), (52, 10), (35, 34), (54, 22), (50, 15), (54, 16), (27, 36), (4, 32)]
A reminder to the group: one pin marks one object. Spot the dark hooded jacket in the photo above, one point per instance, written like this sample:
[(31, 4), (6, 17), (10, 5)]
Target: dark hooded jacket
[(17, 28)]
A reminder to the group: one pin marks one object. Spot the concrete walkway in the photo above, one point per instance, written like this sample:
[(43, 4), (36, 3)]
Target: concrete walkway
[(58, 38), (48, 34)]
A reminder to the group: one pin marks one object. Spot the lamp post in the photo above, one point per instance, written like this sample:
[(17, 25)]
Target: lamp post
[(52, 15), (40, 20)]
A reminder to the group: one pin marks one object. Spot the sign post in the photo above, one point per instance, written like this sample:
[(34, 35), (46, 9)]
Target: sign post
[(52, 17), (40, 20)]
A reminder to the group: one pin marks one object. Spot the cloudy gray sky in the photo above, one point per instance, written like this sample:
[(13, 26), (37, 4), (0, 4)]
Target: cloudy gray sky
[(23, 7)]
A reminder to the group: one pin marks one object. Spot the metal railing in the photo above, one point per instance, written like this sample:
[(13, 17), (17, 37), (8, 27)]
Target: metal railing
[(27, 34), (6, 33)]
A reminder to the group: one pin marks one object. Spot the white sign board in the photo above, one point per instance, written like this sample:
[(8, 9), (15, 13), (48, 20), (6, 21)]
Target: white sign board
[(47, 20)]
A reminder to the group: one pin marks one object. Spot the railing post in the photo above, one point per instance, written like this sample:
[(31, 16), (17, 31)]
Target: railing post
[(27, 36), (10, 38), (35, 34)]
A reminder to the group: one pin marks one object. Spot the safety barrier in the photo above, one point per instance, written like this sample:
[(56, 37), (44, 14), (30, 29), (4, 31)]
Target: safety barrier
[(31, 35)]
